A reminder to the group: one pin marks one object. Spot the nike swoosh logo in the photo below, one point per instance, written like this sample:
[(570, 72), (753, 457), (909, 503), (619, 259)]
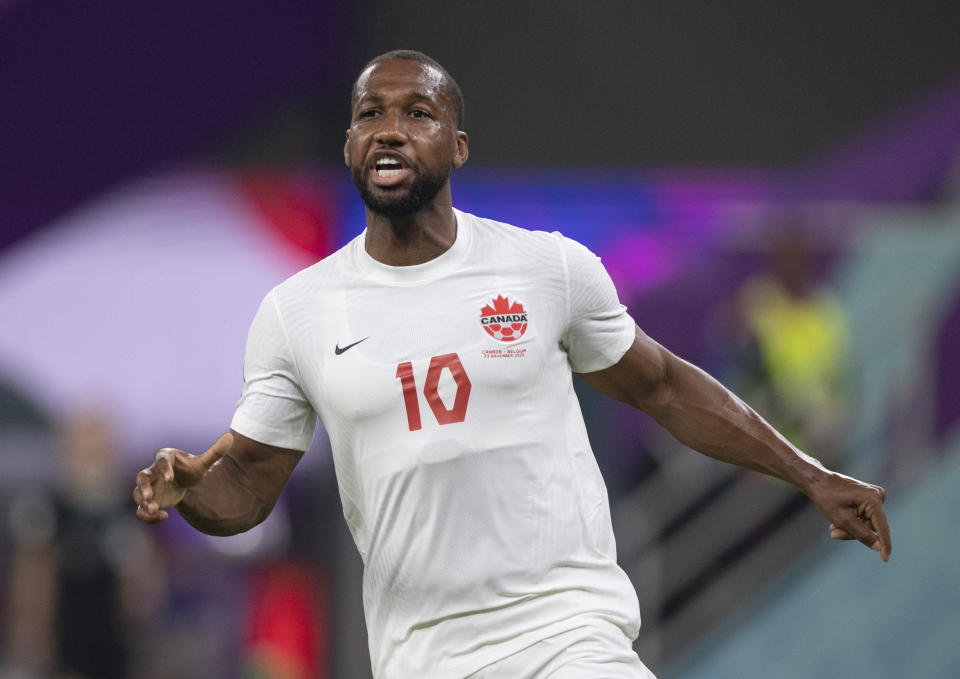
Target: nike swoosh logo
[(339, 350)]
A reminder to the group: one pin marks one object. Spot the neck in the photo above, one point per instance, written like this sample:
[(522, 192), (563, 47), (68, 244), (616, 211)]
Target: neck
[(415, 239)]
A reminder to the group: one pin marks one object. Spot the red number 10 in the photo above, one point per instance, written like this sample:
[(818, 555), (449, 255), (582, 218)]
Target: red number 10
[(444, 415)]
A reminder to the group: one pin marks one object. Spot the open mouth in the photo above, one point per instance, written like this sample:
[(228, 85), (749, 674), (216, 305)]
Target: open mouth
[(388, 167), (388, 171)]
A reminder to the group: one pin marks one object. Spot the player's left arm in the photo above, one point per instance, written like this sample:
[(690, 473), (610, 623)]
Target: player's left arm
[(704, 415)]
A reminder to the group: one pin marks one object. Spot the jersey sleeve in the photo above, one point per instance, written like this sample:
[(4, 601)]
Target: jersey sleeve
[(272, 408), (599, 330)]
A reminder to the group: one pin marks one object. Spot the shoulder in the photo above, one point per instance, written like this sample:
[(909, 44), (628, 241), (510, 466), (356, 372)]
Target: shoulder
[(324, 276), (497, 235), (486, 227)]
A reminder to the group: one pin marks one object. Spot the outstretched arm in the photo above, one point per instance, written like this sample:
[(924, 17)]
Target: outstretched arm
[(704, 415), (230, 488)]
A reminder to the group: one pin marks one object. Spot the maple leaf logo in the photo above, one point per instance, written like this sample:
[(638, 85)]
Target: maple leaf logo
[(501, 305), (504, 321)]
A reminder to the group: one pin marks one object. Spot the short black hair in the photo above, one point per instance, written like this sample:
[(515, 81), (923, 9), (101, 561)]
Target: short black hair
[(450, 85)]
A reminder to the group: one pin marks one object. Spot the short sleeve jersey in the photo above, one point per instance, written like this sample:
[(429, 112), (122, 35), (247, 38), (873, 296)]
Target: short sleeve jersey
[(461, 455)]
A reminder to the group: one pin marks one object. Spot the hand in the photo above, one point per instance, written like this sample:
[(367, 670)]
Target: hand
[(164, 483), (855, 512)]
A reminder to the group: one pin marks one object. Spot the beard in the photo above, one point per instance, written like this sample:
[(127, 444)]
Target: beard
[(398, 202)]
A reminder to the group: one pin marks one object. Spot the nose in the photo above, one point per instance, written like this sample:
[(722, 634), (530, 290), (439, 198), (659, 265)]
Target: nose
[(391, 131)]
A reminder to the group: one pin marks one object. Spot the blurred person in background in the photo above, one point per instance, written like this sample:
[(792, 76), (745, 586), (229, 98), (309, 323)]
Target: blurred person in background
[(438, 348), (82, 572), (795, 347)]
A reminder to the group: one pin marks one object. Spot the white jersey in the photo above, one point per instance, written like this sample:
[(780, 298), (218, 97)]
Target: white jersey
[(464, 468)]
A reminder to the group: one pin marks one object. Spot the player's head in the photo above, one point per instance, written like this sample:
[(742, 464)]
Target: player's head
[(404, 136), (450, 85)]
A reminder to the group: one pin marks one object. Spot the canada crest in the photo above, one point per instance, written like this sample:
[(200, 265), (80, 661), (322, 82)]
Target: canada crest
[(504, 321)]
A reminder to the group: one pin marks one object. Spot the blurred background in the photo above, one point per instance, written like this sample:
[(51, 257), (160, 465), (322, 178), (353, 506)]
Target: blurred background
[(774, 187)]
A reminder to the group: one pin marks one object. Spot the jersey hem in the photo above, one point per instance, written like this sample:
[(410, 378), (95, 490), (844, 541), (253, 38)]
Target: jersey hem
[(269, 436), (624, 342), (480, 660)]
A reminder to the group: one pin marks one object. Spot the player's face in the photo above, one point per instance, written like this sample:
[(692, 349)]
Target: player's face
[(403, 138)]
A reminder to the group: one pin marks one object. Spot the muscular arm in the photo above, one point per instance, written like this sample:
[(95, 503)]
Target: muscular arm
[(229, 489), (704, 415), (240, 489)]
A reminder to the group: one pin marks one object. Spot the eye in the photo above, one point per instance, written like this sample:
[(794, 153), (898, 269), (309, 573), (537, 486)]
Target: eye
[(367, 113), (419, 114)]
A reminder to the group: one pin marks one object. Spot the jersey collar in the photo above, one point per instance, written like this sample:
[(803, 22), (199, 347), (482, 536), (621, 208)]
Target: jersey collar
[(444, 264)]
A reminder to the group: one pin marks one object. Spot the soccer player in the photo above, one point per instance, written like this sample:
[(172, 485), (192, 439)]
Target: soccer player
[(437, 348)]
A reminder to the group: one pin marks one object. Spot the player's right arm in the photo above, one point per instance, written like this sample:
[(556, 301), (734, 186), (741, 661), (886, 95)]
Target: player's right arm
[(228, 489)]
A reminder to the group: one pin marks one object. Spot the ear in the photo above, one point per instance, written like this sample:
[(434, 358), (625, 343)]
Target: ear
[(346, 150), (463, 150)]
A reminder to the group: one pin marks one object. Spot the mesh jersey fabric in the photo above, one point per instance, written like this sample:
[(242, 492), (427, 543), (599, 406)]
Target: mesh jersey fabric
[(598, 649), (462, 459)]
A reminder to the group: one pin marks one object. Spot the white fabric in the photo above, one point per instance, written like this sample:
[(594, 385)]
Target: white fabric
[(594, 651), (479, 537)]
